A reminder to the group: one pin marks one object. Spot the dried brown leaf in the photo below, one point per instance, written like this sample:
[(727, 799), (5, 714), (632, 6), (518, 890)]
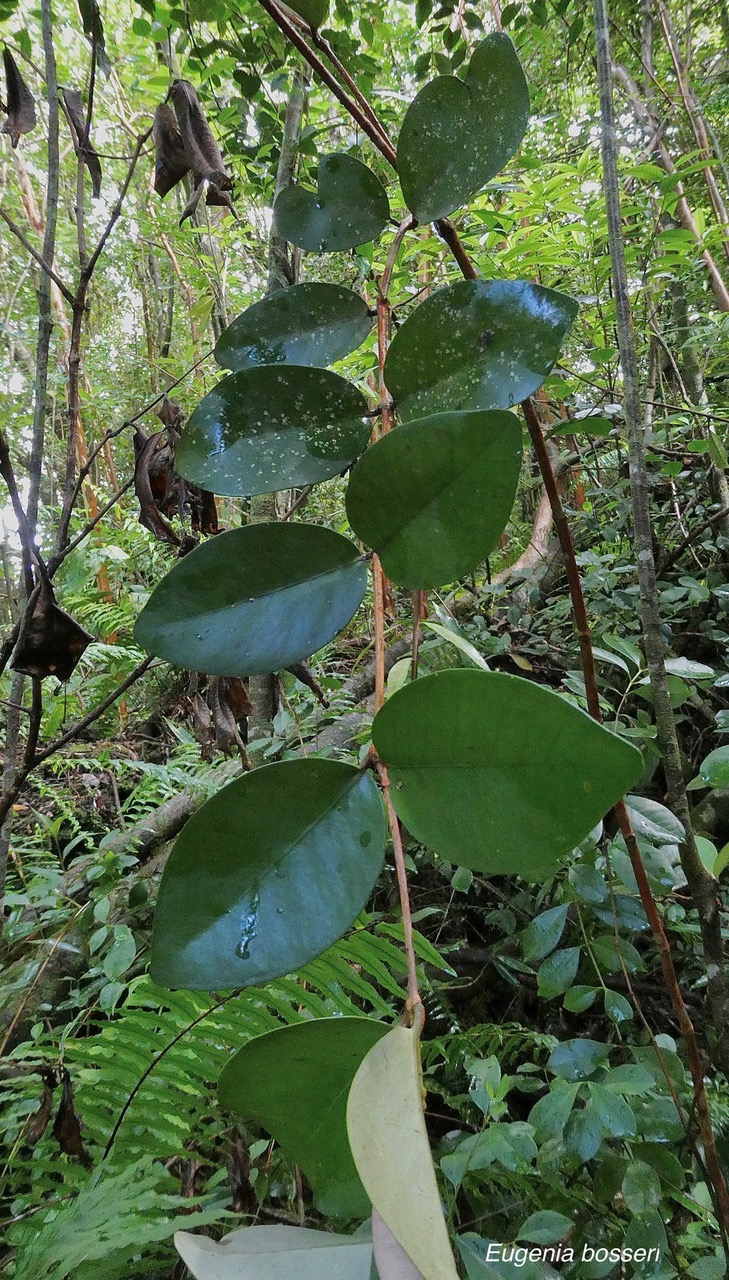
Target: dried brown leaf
[(51, 642), (67, 1126), (75, 108), (171, 162), (20, 106)]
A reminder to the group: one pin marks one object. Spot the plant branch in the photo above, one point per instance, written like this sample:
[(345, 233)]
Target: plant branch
[(414, 1001), (45, 266)]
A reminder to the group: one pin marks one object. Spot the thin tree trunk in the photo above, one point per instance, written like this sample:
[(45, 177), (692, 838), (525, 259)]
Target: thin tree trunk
[(698, 124), (702, 886), (683, 212), (13, 734)]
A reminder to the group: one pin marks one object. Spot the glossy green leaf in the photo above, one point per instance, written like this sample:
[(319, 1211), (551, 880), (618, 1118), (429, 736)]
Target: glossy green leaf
[(312, 11), (545, 1227), (714, 769), (550, 1114), (615, 1115), (254, 600), (433, 497), (489, 1260), (272, 428), (577, 1059), (459, 642), (308, 324), (579, 998), (267, 874), (294, 1082), (476, 344), (276, 1253), (543, 933), (458, 134), (584, 1133), (391, 1150), (558, 972), (349, 207), (617, 1007), (496, 773), (641, 1187)]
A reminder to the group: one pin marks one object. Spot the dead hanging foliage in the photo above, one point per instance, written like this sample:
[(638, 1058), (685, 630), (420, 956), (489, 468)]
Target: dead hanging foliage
[(184, 144), (20, 105), (67, 1126), (162, 493), (74, 105), (51, 642), (39, 1121), (218, 713)]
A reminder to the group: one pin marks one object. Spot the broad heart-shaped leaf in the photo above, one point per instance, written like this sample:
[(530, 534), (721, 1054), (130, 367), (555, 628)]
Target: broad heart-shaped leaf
[(267, 874), (477, 344), (254, 600), (294, 1082), (312, 11), (272, 428), (432, 498), (276, 1253), (349, 208), (458, 134), (390, 1146), (496, 773), (310, 324)]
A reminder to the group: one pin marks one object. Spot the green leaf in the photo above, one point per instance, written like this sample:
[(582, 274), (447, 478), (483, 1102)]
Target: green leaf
[(545, 1227), (120, 954), (459, 642), (312, 11), (254, 600), (646, 1231), (433, 497), (276, 1253), (653, 821), (579, 998), (550, 1114), (689, 669), (588, 883), (578, 1059), (390, 1146), (349, 208), (629, 1079), (273, 428), (308, 324), (476, 344), (294, 1082), (543, 934), (714, 769), (616, 1117), (641, 1187), (497, 773), (458, 134), (617, 1008), (558, 972), (584, 1133), (488, 1260), (267, 874)]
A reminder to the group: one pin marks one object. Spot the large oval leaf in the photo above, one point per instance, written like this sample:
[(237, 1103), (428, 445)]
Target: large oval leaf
[(267, 874), (433, 497), (294, 1083), (312, 11), (276, 1253), (310, 324), (254, 600), (349, 207), (498, 774), (458, 134), (477, 344), (272, 428), (390, 1146)]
